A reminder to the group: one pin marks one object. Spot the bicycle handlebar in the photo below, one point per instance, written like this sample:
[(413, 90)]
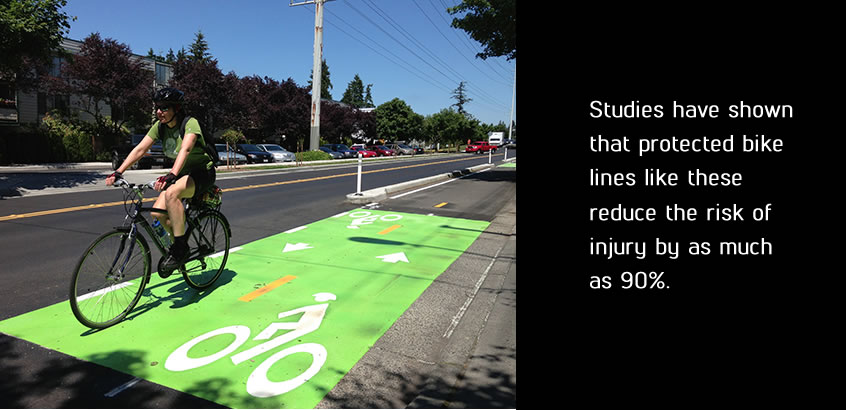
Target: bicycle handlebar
[(123, 183)]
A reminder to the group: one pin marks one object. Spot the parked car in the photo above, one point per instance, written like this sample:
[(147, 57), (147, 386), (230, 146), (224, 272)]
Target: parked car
[(279, 154), (480, 147), (401, 149), (334, 154), (343, 149), (154, 156), (382, 150), (364, 152), (234, 157), (253, 153), (418, 149)]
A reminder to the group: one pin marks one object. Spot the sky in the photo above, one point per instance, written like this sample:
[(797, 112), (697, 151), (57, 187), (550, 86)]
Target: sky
[(405, 48)]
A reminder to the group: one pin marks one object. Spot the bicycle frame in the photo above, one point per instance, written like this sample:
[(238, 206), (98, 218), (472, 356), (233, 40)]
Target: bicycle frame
[(136, 218)]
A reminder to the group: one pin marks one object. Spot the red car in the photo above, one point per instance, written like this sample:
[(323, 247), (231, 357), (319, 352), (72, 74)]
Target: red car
[(382, 150), (480, 147), (365, 153)]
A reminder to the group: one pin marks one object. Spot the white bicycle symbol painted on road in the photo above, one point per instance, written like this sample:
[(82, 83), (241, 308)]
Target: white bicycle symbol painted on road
[(258, 384), (366, 217)]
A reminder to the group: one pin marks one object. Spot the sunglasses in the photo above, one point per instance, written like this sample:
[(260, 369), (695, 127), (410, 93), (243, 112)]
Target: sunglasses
[(163, 108)]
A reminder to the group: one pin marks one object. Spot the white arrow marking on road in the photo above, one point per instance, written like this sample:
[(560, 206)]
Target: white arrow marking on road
[(394, 257), (296, 247)]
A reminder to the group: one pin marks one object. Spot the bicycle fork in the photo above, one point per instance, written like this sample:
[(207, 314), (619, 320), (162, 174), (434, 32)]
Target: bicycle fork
[(117, 277)]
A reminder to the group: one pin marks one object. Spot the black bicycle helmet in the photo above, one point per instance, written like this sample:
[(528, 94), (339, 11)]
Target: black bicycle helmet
[(169, 95)]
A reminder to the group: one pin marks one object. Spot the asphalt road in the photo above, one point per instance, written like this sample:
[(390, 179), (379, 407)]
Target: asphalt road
[(44, 226)]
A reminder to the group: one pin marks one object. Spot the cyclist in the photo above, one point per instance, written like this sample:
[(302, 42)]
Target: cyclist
[(192, 173)]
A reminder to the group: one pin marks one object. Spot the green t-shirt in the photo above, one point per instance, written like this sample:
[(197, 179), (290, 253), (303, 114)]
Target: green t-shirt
[(172, 143)]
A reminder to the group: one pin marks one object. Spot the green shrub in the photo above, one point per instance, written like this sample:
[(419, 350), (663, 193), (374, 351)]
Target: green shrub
[(313, 156), (68, 141)]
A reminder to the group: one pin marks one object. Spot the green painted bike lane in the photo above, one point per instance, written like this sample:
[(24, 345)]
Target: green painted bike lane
[(290, 316)]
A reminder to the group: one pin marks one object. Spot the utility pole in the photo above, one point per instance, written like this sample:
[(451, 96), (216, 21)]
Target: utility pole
[(513, 101), (314, 136)]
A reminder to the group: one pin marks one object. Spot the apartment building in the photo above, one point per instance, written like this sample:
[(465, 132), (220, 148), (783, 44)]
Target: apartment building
[(19, 107)]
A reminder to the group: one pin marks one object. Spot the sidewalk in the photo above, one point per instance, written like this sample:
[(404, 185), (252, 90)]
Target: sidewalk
[(427, 361), (66, 166)]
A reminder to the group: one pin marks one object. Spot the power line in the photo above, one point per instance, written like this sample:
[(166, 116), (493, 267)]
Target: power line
[(469, 42), (478, 94), (421, 74), (438, 13), (397, 41)]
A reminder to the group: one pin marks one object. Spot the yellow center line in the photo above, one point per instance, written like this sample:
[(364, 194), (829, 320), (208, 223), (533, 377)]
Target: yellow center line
[(441, 204), (272, 184)]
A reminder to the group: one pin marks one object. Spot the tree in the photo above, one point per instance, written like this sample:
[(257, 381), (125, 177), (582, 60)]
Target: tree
[(30, 31), (451, 127), (273, 109), (460, 99), (396, 121), (199, 50), (337, 123), (368, 98), (170, 58), (205, 92), (105, 72), (325, 82), (493, 23), (354, 94)]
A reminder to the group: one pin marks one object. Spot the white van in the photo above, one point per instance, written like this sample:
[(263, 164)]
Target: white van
[(495, 138)]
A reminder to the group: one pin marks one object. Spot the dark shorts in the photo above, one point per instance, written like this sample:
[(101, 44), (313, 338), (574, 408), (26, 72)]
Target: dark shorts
[(203, 180)]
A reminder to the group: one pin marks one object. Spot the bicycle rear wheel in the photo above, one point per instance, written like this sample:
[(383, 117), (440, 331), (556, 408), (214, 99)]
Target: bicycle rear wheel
[(209, 245), (109, 279)]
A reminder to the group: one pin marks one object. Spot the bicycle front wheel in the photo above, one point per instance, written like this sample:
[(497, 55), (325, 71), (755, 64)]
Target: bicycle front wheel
[(109, 279), (209, 245)]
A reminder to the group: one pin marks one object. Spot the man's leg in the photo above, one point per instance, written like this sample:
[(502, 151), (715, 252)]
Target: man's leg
[(182, 188), (173, 195), (171, 201)]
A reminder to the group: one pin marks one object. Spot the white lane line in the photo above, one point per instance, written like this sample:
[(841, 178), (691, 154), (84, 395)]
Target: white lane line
[(457, 318), (103, 291), (231, 251), (438, 184), (117, 390), (292, 230)]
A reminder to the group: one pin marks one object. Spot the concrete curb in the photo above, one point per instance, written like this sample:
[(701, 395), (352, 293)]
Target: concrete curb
[(378, 194)]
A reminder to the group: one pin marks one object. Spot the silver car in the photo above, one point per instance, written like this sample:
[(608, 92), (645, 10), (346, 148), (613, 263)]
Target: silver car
[(402, 149), (234, 157), (279, 154)]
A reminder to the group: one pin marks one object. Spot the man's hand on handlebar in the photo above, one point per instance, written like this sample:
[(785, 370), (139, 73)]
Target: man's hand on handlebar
[(110, 180), (164, 181)]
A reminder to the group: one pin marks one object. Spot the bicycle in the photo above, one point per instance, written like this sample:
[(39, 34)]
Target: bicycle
[(111, 274)]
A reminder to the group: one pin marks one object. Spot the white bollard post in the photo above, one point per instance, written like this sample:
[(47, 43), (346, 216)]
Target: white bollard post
[(490, 155), (358, 182), (506, 154)]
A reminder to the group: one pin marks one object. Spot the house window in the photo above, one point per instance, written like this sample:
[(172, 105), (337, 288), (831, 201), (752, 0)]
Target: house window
[(163, 74), (56, 67), (7, 95), (47, 103), (8, 103)]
